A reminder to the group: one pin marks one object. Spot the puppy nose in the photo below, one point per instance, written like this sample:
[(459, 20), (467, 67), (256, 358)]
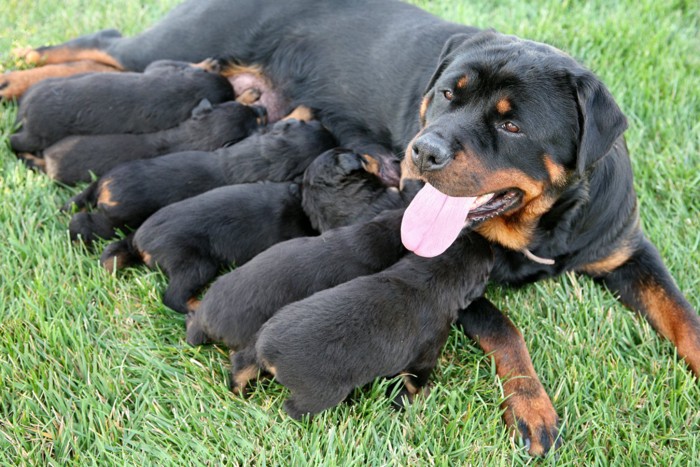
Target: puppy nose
[(260, 113), (431, 152)]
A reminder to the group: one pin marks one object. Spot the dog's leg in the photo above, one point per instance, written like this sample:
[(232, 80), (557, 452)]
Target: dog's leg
[(310, 401), (244, 368), (644, 284), (415, 382), (185, 282), (84, 54), (32, 161), (121, 254), (15, 83), (195, 333), (90, 226), (527, 405), (88, 47)]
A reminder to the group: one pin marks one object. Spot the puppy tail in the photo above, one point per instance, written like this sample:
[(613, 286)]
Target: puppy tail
[(121, 254), (84, 199)]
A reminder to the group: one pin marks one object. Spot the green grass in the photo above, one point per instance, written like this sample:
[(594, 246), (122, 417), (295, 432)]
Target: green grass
[(93, 368)]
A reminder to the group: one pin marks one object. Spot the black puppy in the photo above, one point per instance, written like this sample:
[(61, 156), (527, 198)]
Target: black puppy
[(106, 103), (380, 325), (238, 303), (75, 158), (193, 239), (131, 192), (343, 187)]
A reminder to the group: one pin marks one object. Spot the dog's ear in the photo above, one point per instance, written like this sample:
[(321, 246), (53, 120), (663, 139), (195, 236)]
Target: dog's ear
[(371, 164), (203, 108), (349, 162), (453, 45), (601, 122), (446, 57)]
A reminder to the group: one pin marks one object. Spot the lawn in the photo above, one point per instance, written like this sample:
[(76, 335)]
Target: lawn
[(95, 370)]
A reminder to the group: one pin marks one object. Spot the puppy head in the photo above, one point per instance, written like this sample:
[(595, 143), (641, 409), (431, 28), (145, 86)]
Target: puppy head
[(340, 166), (511, 122), (287, 138), (229, 118), (340, 187)]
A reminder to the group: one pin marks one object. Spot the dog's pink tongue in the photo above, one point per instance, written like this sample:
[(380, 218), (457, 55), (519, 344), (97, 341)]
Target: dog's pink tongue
[(433, 221)]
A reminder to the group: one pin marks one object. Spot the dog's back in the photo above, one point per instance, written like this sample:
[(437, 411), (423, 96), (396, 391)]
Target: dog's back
[(238, 303), (378, 325)]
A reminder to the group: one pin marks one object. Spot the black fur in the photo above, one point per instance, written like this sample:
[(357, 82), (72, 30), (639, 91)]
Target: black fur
[(378, 325), (368, 65), (137, 189), (238, 303), (340, 185), (76, 158), (106, 103), (193, 239)]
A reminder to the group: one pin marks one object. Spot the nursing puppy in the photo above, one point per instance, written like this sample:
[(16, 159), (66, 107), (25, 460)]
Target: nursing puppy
[(129, 193), (343, 187), (394, 321), (238, 303), (107, 103), (76, 158), (192, 240)]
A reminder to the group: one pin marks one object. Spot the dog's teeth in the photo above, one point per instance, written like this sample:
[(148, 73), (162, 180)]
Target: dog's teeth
[(481, 200)]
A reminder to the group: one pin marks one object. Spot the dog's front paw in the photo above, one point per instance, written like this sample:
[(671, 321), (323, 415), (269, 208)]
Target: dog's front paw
[(28, 55), (529, 410), (210, 65), (12, 86)]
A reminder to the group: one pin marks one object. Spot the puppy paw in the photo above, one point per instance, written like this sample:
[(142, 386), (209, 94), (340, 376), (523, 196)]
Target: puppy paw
[(530, 412), (210, 65), (249, 96), (32, 162), (293, 409)]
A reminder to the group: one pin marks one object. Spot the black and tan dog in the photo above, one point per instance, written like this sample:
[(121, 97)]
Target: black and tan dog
[(383, 324), (77, 158), (341, 187), (96, 104), (238, 303), (482, 115), (193, 239), (129, 193)]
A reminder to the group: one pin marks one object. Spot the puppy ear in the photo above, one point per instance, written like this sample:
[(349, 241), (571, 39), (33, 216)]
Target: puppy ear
[(371, 164), (349, 162), (601, 122), (204, 107)]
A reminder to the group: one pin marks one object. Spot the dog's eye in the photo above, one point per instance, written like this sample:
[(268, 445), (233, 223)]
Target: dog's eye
[(448, 94), (510, 127)]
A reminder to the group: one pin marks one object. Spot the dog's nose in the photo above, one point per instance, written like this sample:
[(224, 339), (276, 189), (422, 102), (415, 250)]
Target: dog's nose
[(261, 114), (259, 110), (431, 152)]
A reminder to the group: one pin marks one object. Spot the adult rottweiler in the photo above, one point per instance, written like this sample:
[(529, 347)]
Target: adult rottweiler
[(516, 127)]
